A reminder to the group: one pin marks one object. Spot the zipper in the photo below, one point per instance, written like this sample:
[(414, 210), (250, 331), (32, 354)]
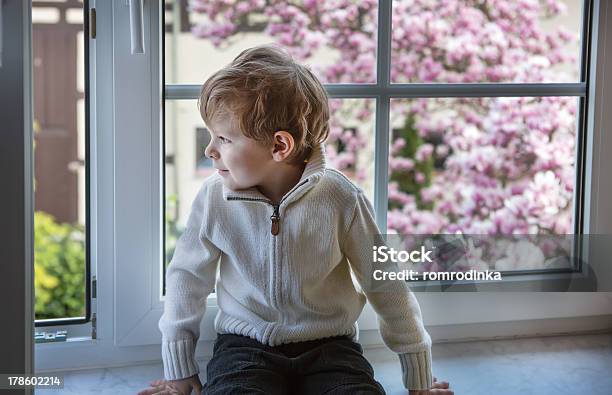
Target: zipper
[(275, 217), (274, 230)]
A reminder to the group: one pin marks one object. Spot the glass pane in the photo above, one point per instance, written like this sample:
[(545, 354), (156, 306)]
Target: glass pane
[(482, 166), (185, 165), (60, 154), (338, 41), (476, 41), (349, 148)]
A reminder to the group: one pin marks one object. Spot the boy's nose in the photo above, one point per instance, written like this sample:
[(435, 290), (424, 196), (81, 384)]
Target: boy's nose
[(209, 152)]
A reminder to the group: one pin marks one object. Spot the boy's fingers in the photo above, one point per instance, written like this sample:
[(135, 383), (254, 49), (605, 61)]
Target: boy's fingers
[(160, 387), (441, 384)]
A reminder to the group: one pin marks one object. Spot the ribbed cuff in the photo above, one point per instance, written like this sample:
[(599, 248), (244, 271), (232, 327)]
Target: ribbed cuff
[(179, 359), (416, 370)]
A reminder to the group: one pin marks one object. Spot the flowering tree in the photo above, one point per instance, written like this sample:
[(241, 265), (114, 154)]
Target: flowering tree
[(475, 165)]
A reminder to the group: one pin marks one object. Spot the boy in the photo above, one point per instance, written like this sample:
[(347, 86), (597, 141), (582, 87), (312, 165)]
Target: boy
[(285, 232)]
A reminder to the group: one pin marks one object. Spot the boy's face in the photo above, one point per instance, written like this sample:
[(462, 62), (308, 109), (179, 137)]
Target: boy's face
[(242, 162)]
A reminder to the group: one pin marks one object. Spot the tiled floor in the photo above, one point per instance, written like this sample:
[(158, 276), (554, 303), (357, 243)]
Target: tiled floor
[(545, 365)]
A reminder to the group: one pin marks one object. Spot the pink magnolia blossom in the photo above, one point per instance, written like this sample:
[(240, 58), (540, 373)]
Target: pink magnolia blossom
[(507, 163)]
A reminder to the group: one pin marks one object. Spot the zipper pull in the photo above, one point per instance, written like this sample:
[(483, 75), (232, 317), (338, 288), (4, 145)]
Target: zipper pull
[(275, 218)]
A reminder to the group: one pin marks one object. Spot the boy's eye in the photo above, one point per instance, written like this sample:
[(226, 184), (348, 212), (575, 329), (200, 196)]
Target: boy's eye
[(223, 139)]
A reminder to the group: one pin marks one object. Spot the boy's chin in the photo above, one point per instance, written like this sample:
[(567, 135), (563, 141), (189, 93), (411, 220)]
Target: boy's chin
[(232, 185), (229, 185)]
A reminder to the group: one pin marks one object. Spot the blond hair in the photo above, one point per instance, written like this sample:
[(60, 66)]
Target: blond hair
[(267, 91)]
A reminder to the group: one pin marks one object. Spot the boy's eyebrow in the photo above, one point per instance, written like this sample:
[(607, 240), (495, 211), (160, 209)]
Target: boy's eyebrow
[(219, 134)]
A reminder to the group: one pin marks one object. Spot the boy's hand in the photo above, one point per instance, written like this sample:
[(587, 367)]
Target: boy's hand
[(174, 387), (442, 388)]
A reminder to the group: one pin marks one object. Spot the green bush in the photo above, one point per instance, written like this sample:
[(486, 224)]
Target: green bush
[(173, 229), (406, 179), (59, 267)]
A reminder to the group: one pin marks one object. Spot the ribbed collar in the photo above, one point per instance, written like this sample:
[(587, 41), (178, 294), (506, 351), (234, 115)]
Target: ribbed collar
[(314, 170)]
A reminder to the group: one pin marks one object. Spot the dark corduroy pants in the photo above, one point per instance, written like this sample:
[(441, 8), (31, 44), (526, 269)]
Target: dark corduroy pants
[(335, 365)]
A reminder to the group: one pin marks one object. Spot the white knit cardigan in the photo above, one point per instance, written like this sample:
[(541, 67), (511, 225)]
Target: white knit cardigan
[(291, 286)]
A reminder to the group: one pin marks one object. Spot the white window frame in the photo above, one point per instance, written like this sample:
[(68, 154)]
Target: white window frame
[(126, 207), (82, 330)]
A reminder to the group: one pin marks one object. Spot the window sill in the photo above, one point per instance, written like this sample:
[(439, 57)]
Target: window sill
[(494, 362)]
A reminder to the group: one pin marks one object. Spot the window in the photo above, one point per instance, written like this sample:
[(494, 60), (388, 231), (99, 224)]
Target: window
[(485, 105), (61, 163)]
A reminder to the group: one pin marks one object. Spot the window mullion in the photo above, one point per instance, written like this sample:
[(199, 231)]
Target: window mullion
[(486, 90), (381, 126), (354, 91), (381, 161)]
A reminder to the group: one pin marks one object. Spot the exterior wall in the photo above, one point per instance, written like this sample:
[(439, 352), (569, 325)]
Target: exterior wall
[(58, 67)]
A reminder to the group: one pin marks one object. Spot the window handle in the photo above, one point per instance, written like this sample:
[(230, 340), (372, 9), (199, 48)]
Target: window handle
[(136, 26)]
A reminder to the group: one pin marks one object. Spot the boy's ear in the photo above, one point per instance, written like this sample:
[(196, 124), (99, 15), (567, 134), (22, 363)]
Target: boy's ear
[(283, 145)]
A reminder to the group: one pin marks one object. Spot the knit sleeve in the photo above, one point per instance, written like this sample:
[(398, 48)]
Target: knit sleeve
[(190, 278), (399, 315)]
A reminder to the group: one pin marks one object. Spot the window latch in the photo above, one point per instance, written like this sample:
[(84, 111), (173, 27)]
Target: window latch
[(50, 337)]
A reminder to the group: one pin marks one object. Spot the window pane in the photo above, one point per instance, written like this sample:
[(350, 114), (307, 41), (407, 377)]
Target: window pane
[(501, 41), (60, 155), (349, 148), (185, 165), (337, 39), (482, 166)]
